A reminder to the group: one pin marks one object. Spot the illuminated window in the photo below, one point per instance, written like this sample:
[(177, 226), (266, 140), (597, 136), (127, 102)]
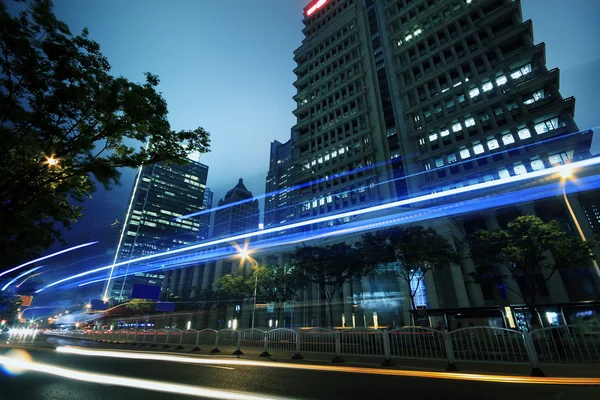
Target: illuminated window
[(524, 134), (329, 199), (503, 173), (469, 122), (508, 139), (321, 201), (493, 144), (326, 157), (320, 160), (464, 153), (314, 203), (520, 169), (523, 70), (487, 86), (474, 92), (417, 286), (451, 158), (501, 80), (537, 165), (334, 154), (433, 137), (444, 133), (535, 96), (478, 148), (547, 126), (456, 127), (439, 162)]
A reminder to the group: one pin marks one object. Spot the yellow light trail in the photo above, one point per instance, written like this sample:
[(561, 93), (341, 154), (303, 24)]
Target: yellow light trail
[(330, 368), (144, 384)]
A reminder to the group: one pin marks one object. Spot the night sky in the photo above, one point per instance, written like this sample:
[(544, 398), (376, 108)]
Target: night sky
[(228, 65)]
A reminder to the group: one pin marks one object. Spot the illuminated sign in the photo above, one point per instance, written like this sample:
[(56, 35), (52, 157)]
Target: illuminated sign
[(315, 6)]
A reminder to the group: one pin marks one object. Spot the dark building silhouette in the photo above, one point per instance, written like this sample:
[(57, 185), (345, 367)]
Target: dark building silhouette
[(204, 232), (278, 209), (241, 214)]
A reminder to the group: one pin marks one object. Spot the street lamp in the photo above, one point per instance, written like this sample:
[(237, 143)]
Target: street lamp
[(566, 173), (244, 254), (51, 161)]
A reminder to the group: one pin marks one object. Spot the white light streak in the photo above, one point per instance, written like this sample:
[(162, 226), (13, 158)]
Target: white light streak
[(47, 257), (330, 217), (19, 277), (330, 368), (141, 384)]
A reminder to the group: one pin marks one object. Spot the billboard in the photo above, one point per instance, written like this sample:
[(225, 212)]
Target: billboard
[(145, 292), (165, 306), (98, 305), (26, 301)]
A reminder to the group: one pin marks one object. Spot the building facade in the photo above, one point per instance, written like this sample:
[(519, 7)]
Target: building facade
[(161, 193), (205, 218), (278, 209), (237, 212)]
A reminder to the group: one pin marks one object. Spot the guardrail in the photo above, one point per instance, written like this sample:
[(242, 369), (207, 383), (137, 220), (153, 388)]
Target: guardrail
[(560, 345)]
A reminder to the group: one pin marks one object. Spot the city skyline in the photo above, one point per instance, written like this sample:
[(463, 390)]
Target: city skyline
[(259, 79)]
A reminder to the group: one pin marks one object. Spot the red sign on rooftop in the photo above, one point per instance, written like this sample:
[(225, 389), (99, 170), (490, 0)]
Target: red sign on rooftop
[(314, 6)]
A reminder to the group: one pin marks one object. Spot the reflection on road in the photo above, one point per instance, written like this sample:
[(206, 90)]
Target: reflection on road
[(330, 368)]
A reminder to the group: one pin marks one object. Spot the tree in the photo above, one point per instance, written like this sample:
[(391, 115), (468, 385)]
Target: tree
[(523, 251), (234, 288), (415, 250), (278, 285), (328, 268), (140, 305), (9, 308), (66, 123)]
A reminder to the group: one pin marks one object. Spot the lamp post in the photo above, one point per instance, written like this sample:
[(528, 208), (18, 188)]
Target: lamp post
[(245, 254), (565, 174)]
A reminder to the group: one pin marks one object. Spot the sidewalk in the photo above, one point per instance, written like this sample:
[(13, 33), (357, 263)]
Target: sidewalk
[(566, 371)]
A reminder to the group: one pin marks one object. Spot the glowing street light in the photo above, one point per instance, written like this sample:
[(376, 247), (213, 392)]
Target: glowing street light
[(567, 172), (244, 254), (51, 161)]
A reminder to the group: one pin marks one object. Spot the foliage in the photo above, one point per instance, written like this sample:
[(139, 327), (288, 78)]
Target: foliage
[(522, 251), (278, 285), (9, 308), (66, 123), (237, 288), (328, 268), (414, 249), (140, 305)]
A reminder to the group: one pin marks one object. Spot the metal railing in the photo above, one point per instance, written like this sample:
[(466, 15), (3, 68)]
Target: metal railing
[(562, 345)]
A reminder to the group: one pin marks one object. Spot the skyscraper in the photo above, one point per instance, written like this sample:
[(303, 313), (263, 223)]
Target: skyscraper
[(400, 98), (278, 209), (205, 218), (161, 193), (241, 214)]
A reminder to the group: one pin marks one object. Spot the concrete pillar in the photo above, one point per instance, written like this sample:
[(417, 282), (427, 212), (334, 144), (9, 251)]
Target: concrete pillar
[(430, 284), (208, 266), (174, 281), (218, 270), (181, 285), (474, 289), (195, 288)]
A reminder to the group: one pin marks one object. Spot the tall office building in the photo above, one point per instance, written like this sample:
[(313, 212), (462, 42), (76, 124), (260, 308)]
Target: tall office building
[(241, 215), (400, 98), (160, 194), (278, 209), (205, 218)]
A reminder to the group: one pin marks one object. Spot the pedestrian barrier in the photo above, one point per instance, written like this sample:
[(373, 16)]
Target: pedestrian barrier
[(417, 342), (573, 344), (317, 340), (361, 342), (487, 344), (557, 345)]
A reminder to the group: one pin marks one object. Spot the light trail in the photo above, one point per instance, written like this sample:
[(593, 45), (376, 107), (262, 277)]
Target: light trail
[(375, 165), (20, 276), (330, 368), (48, 256), (463, 207), (331, 217), (29, 277), (140, 384)]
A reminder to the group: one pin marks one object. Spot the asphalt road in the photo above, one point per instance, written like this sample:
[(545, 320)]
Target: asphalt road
[(268, 381)]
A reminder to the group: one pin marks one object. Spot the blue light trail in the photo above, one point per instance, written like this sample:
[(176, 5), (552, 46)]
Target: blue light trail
[(19, 277), (47, 257), (331, 217)]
